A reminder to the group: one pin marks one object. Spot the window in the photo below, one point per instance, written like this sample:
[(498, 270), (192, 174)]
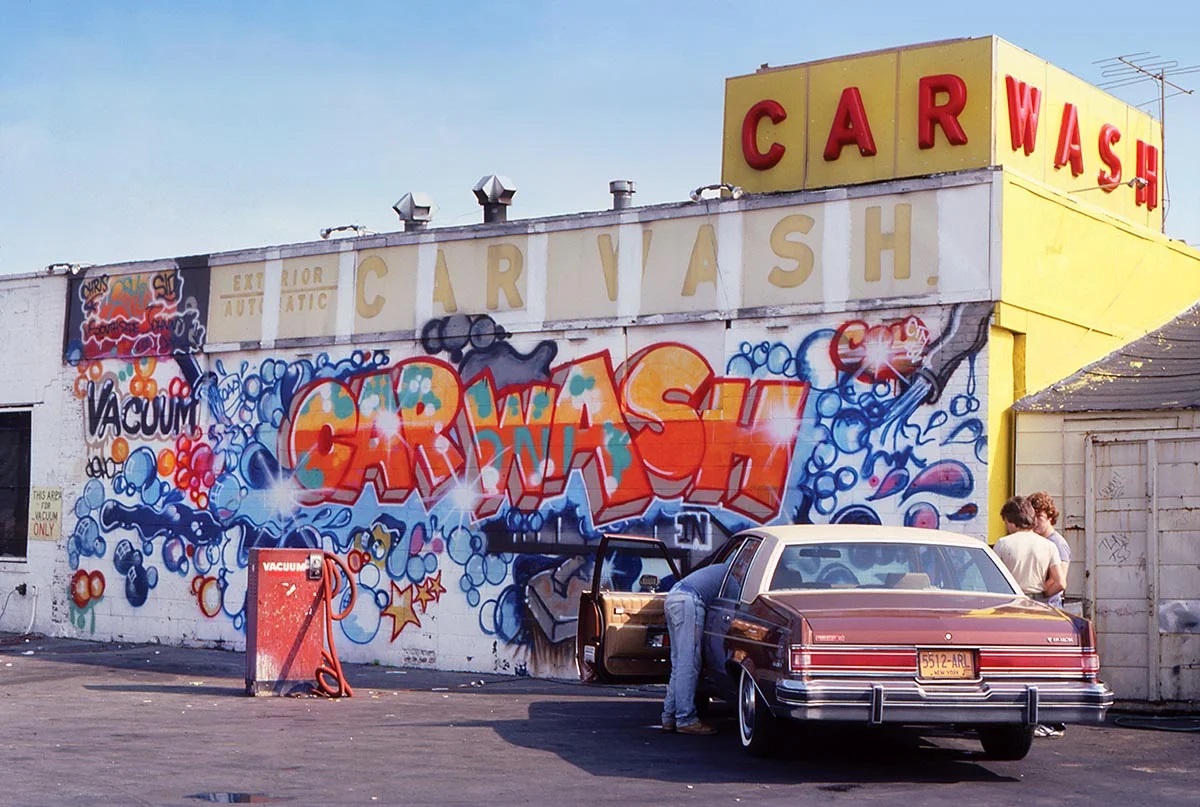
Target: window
[(736, 579), (888, 565), (634, 566), (14, 484)]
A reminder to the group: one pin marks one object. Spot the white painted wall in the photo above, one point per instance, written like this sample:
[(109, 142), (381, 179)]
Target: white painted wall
[(32, 308)]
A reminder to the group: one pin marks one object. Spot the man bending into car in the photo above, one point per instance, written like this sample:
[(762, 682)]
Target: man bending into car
[(686, 604)]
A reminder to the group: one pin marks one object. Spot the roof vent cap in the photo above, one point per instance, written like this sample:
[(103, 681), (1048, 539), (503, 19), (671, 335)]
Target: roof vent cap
[(495, 192)]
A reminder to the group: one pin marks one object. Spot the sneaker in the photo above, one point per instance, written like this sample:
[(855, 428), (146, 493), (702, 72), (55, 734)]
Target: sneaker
[(668, 726), (1048, 731), (695, 728)]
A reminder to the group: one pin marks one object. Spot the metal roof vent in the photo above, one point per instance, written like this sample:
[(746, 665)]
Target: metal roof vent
[(495, 193), (622, 191), (415, 210)]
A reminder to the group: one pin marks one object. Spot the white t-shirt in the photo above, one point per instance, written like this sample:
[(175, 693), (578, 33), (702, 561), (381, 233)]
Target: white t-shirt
[(1029, 557)]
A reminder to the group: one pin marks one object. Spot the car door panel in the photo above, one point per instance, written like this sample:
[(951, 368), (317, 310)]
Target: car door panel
[(622, 634), (635, 630)]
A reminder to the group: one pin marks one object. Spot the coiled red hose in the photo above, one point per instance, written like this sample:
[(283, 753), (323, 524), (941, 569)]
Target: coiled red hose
[(331, 681)]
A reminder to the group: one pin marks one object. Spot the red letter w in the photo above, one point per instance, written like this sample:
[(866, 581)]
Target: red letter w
[(1024, 103)]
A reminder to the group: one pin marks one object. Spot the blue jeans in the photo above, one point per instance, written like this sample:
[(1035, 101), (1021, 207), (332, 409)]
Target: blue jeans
[(685, 624)]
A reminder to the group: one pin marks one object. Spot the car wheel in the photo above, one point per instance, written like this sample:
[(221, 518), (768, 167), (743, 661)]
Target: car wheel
[(756, 724), (1006, 742)]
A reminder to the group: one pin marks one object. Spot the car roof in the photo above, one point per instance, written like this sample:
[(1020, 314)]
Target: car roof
[(872, 533)]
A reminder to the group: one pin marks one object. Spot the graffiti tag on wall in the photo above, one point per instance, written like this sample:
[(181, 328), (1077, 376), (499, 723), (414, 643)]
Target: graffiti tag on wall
[(142, 314)]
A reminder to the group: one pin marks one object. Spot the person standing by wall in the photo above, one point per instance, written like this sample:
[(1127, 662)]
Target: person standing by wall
[(1032, 559), (687, 602), (1045, 516)]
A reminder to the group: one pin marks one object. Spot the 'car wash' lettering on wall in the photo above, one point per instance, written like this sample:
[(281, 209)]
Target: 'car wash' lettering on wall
[(660, 426)]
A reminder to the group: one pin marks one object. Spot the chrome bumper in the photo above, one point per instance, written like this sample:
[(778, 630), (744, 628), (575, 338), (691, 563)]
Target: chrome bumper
[(913, 702)]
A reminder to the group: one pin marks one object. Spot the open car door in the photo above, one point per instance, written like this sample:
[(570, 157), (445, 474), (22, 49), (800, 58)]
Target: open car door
[(622, 634)]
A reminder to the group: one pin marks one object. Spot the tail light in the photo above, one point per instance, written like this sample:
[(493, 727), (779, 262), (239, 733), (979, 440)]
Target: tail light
[(1090, 663), (1090, 660), (799, 659)]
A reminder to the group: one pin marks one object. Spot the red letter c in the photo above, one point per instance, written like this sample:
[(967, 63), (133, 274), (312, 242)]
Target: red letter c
[(758, 160)]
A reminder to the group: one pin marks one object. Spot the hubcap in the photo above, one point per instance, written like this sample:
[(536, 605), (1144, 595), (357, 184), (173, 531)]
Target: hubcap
[(746, 712)]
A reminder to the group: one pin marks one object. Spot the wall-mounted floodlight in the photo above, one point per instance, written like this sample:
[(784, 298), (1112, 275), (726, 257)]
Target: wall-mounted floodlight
[(1136, 182), (358, 230), (67, 268), (735, 192)]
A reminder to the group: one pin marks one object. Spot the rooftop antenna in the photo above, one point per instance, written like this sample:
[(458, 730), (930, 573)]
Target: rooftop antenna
[(1134, 68)]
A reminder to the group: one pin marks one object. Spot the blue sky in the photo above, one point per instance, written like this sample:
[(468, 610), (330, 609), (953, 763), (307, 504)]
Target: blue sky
[(138, 130)]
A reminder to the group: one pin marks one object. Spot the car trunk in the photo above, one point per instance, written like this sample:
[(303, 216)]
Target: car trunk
[(921, 618)]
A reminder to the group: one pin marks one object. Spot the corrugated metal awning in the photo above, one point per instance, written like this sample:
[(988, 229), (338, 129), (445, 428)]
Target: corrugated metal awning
[(1161, 370)]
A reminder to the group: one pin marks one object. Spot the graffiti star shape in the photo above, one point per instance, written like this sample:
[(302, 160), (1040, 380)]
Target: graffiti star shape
[(401, 610), (430, 591)]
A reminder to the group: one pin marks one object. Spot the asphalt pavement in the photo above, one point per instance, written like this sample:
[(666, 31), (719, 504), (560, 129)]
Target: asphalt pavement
[(95, 723)]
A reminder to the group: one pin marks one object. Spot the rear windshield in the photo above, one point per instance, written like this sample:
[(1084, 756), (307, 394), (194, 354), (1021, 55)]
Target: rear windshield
[(888, 565)]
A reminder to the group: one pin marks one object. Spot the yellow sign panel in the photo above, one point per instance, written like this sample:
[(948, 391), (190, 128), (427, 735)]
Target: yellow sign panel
[(1061, 131), (500, 264), (935, 108), (308, 296), (382, 275), (45, 514), (235, 309)]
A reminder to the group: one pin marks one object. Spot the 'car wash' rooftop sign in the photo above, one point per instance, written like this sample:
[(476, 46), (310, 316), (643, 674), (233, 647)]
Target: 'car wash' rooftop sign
[(941, 107)]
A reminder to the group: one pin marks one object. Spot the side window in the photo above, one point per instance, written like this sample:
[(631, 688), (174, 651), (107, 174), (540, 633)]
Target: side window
[(738, 568), (14, 484), (634, 567)]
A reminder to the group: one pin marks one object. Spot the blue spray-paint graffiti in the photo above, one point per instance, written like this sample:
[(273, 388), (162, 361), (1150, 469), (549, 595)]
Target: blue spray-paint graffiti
[(865, 442), (889, 432)]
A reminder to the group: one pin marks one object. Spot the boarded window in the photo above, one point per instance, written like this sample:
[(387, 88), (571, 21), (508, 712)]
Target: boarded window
[(14, 484)]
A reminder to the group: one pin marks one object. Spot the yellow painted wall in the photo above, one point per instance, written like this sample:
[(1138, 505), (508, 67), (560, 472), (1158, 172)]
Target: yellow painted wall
[(1075, 284), (1088, 282), (1001, 383)]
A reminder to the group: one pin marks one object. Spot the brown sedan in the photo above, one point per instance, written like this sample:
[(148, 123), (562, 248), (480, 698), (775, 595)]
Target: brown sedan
[(854, 624)]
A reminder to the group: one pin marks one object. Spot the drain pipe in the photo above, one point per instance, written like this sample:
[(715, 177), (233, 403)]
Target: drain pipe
[(32, 611)]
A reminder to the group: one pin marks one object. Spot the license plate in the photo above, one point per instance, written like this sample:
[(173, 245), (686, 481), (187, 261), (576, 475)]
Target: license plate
[(953, 665)]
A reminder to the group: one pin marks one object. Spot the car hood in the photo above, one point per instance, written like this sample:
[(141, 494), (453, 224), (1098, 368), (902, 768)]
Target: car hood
[(892, 617)]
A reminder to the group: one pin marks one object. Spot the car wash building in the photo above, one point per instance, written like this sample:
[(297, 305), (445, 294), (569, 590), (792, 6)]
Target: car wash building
[(904, 243)]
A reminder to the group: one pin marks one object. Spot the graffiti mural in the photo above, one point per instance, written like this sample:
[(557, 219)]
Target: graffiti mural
[(142, 314), (466, 478)]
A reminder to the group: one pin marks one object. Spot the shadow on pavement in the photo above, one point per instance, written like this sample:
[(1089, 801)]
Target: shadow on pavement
[(621, 738), (171, 689), (220, 666)]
